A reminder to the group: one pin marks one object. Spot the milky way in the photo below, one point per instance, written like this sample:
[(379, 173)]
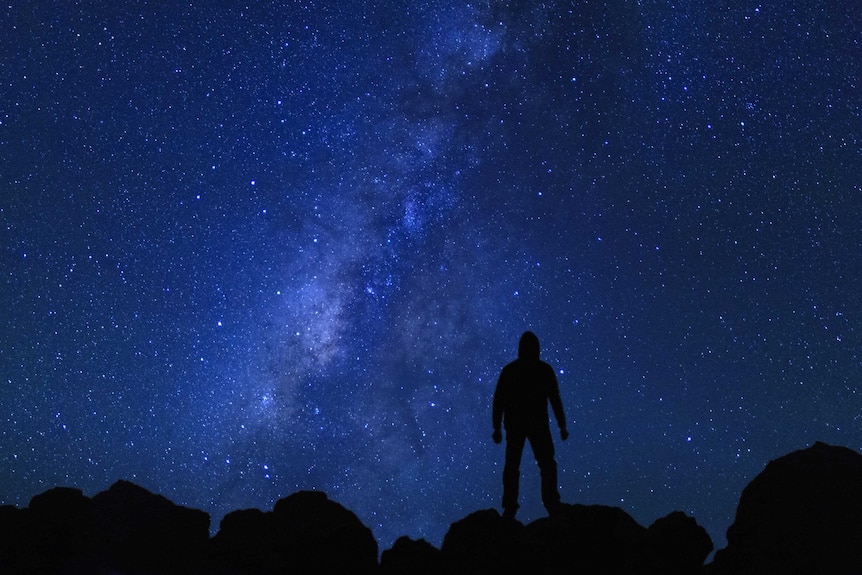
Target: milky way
[(253, 250)]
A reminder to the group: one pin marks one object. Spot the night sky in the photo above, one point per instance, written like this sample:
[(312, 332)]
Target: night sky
[(249, 250)]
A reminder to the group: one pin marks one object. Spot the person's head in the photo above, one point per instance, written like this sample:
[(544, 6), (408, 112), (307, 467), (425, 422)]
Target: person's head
[(528, 347)]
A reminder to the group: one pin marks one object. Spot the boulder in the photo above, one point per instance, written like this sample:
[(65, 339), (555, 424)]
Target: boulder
[(801, 514), (125, 529), (247, 543), (320, 535), (412, 557), (485, 542), (148, 533), (62, 532), (589, 539), (305, 533), (14, 538), (678, 545), (585, 539)]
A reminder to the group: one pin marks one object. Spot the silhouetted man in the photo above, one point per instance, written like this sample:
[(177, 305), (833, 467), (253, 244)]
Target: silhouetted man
[(521, 401)]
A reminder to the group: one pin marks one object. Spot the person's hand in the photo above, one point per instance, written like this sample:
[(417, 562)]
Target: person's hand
[(564, 433), (497, 436)]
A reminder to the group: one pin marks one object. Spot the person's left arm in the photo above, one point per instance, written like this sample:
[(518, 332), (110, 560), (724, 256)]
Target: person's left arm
[(557, 403)]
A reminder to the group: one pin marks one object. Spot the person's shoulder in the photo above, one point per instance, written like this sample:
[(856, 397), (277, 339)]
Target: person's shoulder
[(510, 366), (547, 367)]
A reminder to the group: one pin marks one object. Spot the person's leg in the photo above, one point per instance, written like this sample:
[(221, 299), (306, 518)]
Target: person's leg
[(543, 449), (512, 472)]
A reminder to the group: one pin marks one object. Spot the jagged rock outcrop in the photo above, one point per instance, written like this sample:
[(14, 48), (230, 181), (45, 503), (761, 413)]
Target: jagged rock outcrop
[(484, 542), (128, 530), (678, 545), (801, 515), (246, 543), (60, 531), (14, 539), (125, 529), (147, 532), (304, 533), (579, 538), (412, 557)]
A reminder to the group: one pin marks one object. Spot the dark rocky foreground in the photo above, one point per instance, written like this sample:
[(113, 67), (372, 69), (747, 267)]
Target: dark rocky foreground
[(802, 514)]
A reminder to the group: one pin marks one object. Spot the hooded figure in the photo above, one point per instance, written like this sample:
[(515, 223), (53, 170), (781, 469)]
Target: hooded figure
[(524, 389)]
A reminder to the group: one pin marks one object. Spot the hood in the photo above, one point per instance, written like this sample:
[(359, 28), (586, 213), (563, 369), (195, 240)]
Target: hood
[(528, 347)]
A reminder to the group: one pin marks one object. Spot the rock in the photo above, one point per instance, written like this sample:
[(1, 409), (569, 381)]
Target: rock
[(409, 557), (247, 543), (321, 535), (14, 539), (589, 539), (802, 514), (305, 533), (149, 533), (127, 529), (678, 544), (485, 542), (63, 532)]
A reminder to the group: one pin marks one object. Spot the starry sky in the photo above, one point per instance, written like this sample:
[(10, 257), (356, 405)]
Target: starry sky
[(248, 249)]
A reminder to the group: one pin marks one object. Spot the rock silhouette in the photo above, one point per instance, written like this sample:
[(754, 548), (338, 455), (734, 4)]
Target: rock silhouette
[(305, 533), (412, 557), (148, 532), (678, 544), (60, 530), (126, 529), (802, 514), (485, 542), (589, 538)]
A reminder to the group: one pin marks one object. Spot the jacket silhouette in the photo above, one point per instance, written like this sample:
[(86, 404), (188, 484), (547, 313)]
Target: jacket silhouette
[(524, 389)]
